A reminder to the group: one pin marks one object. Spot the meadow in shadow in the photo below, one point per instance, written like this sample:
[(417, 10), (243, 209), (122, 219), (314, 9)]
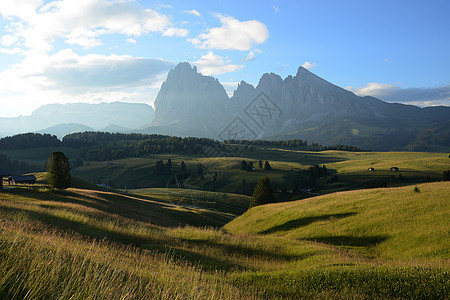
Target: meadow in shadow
[(301, 222)]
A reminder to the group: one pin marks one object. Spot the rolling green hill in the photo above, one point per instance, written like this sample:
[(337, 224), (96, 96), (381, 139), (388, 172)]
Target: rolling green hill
[(289, 166), (394, 223), (380, 243)]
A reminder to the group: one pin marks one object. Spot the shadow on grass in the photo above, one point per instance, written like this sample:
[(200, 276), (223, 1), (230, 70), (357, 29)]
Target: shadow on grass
[(165, 244), (129, 206), (347, 240), (297, 223), (241, 250)]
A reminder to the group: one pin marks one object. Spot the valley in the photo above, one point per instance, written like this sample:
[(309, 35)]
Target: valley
[(142, 233)]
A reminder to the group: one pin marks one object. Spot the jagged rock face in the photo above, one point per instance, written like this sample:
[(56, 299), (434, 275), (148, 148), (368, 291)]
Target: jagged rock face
[(305, 99), (303, 106), (189, 101)]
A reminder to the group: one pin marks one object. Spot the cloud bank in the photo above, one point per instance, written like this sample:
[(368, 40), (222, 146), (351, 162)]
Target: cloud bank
[(417, 96), (37, 25), (211, 64), (232, 35)]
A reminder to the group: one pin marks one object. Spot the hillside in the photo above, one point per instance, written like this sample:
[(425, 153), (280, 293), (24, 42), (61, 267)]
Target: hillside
[(394, 223), (99, 244)]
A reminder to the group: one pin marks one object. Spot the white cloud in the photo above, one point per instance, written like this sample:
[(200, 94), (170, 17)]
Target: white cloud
[(79, 22), (212, 64), (23, 8), (71, 73), (251, 55), (232, 35), (7, 40), (394, 93), (68, 77), (84, 38), (11, 51), (275, 8), (131, 41), (194, 41), (193, 12), (173, 31), (307, 65)]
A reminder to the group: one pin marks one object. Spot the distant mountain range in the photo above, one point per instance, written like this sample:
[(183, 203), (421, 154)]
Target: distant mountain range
[(61, 119), (303, 106)]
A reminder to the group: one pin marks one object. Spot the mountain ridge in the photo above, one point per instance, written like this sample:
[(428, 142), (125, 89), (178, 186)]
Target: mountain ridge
[(304, 106), (93, 116)]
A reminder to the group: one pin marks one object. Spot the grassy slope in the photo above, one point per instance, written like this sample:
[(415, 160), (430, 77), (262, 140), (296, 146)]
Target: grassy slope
[(393, 223), (232, 204), (146, 209), (84, 244), (124, 255), (351, 167)]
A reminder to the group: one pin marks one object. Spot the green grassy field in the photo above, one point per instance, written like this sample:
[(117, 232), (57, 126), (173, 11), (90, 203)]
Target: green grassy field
[(84, 243), (289, 166)]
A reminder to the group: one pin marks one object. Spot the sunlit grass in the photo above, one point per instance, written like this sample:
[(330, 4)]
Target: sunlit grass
[(394, 223), (83, 244)]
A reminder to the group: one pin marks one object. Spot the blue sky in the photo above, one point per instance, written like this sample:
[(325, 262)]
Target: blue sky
[(121, 50)]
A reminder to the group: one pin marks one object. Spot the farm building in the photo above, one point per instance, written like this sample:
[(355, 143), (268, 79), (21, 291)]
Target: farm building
[(371, 169), (394, 169), (24, 179)]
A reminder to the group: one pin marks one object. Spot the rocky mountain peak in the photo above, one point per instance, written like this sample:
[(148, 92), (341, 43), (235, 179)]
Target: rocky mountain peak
[(270, 79), (182, 71), (244, 89), (188, 97)]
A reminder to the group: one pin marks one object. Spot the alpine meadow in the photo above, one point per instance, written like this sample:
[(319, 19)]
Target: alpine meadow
[(224, 150)]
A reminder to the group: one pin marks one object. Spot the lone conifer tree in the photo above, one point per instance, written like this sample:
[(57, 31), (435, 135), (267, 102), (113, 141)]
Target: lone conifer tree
[(58, 171), (263, 193)]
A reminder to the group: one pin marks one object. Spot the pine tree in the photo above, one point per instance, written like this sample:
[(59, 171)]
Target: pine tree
[(243, 165), (260, 164), (160, 167), (263, 193), (267, 166), (169, 165), (58, 171), (324, 171)]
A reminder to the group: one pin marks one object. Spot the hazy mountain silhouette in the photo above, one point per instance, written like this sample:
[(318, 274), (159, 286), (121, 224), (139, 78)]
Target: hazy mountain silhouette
[(61, 130), (303, 106), (93, 116)]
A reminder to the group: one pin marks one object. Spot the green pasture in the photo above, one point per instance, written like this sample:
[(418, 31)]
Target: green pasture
[(153, 244)]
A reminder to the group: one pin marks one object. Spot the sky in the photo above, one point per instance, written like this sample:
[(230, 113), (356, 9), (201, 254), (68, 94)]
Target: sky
[(95, 51)]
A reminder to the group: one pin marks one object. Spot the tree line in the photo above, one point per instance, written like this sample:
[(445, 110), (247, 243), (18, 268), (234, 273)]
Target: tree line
[(15, 166), (29, 140), (296, 143), (110, 146), (283, 144)]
